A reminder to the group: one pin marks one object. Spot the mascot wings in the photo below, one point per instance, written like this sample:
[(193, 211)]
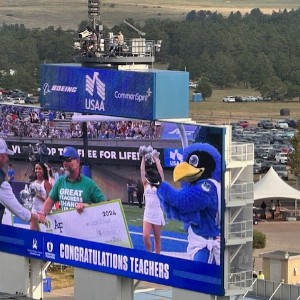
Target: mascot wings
[(197, 203)]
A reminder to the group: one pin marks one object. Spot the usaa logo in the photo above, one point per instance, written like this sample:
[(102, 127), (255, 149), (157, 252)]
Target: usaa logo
[(175, 157), (90, 83)]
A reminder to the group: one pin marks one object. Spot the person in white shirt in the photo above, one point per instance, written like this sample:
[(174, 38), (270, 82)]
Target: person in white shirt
[(7, 198), (41, 187), (153, 215)]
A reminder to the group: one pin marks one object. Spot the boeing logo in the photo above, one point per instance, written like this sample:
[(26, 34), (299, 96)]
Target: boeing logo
[(58, 88), (92, 83), (46, 89)]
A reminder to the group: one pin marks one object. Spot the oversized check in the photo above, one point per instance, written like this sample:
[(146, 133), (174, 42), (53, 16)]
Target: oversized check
[(104, 223)]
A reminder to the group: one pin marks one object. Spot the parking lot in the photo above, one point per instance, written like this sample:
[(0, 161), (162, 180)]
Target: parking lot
[(272, 143)]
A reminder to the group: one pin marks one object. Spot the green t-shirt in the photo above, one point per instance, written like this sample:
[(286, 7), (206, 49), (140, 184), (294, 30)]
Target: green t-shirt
[(69, 193)]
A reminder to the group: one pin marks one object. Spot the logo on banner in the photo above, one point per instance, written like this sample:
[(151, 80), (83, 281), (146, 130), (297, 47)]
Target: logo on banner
[(46, 89), (177, 132), (50, 247), (34, 244), (34, 251), (58, 88), (93, 84), (49, 253), (173, 157), (176, 157)]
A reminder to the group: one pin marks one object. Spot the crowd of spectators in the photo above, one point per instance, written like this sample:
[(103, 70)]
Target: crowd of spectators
[(19, 121)]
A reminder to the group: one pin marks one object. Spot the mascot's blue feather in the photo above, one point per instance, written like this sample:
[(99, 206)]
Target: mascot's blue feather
[(183, 204)]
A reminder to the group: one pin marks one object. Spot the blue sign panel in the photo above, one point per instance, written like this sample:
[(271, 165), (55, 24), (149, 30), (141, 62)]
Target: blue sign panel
[(172, 157), (120, 261), (171, 131), (131, 94)]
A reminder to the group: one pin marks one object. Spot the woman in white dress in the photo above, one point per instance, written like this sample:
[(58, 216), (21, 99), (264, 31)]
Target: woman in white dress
[(153, 214), (40, 189)]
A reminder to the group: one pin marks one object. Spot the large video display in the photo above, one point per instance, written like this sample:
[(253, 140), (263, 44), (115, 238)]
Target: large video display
[(189, 251), (145, 94)]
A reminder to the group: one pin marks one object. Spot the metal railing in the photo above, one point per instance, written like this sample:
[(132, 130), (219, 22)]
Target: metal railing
[(240, 280), (241, 192), (242, 152), (105, 48), (275, 290), (240, 230)]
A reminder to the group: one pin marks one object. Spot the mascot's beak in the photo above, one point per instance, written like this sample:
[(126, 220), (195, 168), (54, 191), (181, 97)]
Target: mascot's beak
[(185, 171)]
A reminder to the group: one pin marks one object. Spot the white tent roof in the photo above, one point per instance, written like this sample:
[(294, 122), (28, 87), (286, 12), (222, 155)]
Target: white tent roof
[(272, 186)]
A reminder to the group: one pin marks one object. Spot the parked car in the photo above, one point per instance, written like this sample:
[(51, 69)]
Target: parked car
[(240, 99), (193, 85), (291, 122), (18, 100), (281, 170), (265, 124), (281, 157), (251, 99), (229, 99), (257, 169), (267, 98), (31, 100), (281, 124), (243, 123)]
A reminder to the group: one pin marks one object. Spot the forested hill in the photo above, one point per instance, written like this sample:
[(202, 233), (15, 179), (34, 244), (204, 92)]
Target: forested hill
[(258, 50)]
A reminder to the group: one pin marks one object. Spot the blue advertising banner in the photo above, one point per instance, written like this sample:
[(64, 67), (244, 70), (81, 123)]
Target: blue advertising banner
[(132, 94), (106, 258)]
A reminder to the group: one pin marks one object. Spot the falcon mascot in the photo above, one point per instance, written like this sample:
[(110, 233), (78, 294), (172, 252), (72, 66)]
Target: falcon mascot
[(197, 202)]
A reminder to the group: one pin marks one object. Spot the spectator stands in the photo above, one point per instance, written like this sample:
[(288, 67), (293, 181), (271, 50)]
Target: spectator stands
[(20, 121)]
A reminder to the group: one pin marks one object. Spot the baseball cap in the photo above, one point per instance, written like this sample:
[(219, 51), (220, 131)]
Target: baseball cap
[(4, 148), (70, 152)]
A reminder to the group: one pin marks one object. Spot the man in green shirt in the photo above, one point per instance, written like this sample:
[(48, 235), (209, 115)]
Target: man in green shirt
[(73, 190)]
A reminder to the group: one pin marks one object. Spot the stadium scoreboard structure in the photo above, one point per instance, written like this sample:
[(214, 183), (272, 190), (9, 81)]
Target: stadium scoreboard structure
[(147, 94), (150, 95)]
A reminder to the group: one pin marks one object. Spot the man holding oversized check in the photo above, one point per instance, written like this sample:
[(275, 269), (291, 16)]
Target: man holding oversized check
[(73, 190), (102, 222)]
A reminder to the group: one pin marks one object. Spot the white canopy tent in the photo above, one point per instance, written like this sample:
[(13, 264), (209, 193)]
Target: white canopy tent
[(272, 186)]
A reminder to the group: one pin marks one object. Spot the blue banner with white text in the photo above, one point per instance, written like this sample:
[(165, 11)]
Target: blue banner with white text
[(132, 94), (106, 258)]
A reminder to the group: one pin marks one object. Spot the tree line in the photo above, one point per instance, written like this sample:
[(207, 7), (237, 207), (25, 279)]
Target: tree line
[(253, 50)]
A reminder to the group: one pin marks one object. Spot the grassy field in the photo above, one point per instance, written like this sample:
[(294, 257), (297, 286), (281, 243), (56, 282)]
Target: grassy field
[(134, 216), (61, 277), (69, 13), (213, 110)]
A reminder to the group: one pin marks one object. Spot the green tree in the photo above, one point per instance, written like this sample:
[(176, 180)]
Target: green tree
[(243, 67), (222, 71), (259, 239), (204, 87), (294, 156), (273, 86)]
